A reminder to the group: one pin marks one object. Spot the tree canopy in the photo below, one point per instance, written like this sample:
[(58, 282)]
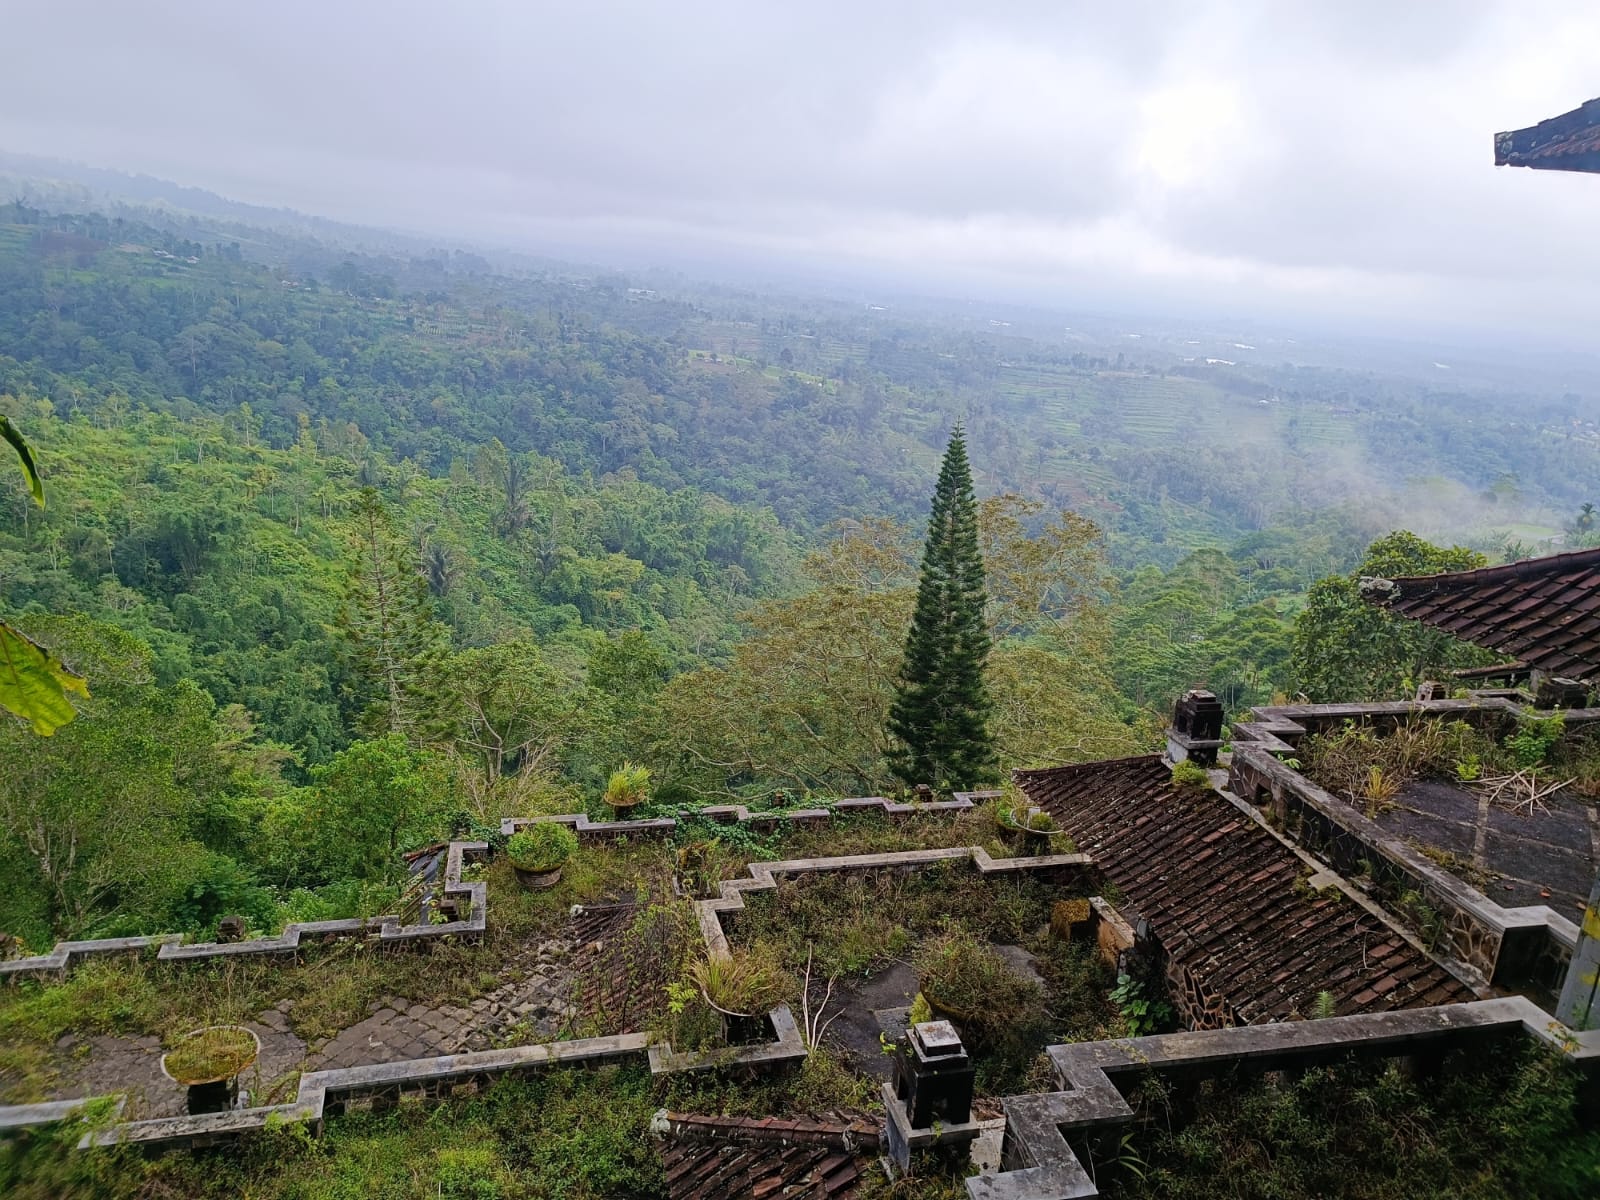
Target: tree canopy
[(1347, 649)]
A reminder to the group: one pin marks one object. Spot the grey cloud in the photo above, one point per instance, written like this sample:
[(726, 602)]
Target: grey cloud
[(1334, 156)]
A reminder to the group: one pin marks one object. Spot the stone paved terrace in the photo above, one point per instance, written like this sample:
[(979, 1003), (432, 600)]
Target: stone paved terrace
[(535, 1003), (1547, 856), (547, 989)]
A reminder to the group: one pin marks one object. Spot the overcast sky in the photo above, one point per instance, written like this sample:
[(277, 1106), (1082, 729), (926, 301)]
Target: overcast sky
[(1184, 155)]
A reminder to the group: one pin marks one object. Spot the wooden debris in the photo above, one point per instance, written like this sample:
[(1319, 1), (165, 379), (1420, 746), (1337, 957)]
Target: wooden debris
[(1521, 791)]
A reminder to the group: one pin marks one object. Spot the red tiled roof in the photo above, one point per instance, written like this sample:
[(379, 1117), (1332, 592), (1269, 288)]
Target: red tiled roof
[(1225, 900), (734, 1158), (1570, 142), (1544, 612)]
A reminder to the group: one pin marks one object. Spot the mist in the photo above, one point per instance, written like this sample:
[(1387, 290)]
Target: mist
[(1320, 162)]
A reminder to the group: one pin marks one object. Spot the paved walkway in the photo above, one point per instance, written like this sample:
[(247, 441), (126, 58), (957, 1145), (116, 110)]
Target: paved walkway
[(538, 1000)]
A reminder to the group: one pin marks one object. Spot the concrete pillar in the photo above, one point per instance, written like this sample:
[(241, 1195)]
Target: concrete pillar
[(1196, 731), (1580, 994)]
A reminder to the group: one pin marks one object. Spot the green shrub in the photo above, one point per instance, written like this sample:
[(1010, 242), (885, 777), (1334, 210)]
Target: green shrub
[(1498, 1126), (628, 786), (469, 1173), (964, 975), (746, 981), (1140, 1014), (1534, 739), (1187, 774), (920, 1011), (542, 846)]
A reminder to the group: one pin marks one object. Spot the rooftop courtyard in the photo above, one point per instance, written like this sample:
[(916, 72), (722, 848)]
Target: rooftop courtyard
[(1543, 854), (795, 1001)]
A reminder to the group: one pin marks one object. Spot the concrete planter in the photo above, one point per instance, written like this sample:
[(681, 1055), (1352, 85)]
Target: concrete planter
[(537, 881), (943, 1012), (741, 1029), (746, 1030), (1008, 822), (213, 1087), (194, 1078)]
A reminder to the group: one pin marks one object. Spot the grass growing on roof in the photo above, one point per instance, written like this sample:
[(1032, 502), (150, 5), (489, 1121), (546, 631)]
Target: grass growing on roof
[(1497, 1126), (562, 1135)]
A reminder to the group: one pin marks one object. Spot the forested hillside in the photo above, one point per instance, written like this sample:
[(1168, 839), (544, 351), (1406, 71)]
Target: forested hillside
[(358, 549)]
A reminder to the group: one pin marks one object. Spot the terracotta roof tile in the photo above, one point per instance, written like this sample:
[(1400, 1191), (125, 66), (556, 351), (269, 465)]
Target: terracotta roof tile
[(1233, 913), (734, 1158), (1570, 142), (1543, 611)]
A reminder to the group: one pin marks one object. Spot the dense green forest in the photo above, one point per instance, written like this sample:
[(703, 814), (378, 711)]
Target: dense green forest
[(357, 549)]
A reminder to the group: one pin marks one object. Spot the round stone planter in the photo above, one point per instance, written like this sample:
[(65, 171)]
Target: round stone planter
[(1033, 837), (537, 881), (741, 1029), (943, 1012), (214, 1086)]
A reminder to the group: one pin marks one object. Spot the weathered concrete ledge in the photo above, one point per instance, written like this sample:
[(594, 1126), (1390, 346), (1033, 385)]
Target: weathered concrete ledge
[(1279, 728), (1505, 947), (787, 1048), (900, 1134), (738, 814), (324, 1094), (1040, 1164), (170, 947), (22, 1116), (764, 876)]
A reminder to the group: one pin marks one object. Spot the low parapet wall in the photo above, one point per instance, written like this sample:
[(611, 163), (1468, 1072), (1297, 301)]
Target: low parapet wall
[(171, 948), (1039, 1163), (588, 829), (388, 928), (325, 1094), (1280, 728), (764, 876), (1507, 947)]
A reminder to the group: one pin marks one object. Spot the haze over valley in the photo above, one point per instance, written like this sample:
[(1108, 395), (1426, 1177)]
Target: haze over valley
[(495, 498)]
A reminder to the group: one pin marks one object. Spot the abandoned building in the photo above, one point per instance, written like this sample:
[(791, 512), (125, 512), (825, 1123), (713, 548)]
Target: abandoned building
[(1290, 923)]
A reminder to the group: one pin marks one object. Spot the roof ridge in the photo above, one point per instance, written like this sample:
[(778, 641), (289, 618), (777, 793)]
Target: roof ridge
[(1067, 770), (1523, 568)]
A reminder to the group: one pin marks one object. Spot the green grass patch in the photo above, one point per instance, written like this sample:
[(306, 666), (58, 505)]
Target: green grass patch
[(1486, 1127), (563, 1135)]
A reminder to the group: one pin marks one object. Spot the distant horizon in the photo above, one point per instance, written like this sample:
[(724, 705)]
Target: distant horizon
[(1331, 165), (765, 275)]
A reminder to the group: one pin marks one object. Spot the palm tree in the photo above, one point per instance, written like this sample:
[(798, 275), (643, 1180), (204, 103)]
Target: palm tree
[(439, 568)]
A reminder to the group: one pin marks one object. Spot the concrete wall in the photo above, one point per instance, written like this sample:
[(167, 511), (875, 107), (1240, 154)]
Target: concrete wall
[(1039, 1161), (1515, 948)]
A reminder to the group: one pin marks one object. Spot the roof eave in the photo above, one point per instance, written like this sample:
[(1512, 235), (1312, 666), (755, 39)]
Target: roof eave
[(1523, 147)]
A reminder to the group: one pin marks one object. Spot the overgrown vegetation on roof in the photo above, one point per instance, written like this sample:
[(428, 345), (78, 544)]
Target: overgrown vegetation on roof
[(1481, 1127)]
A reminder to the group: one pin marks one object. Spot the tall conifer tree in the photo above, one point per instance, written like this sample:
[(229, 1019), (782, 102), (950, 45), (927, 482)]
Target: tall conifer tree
[(939, 718), (387, 621)]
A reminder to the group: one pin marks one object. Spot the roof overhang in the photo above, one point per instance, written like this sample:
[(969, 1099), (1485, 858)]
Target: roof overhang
[(1544, 612), (1570, 142)]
